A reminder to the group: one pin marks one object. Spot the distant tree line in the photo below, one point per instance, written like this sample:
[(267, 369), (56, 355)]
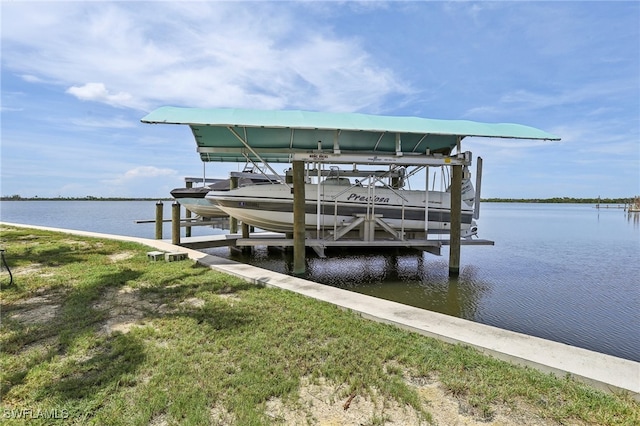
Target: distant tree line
[(561, 200), (17, 197)]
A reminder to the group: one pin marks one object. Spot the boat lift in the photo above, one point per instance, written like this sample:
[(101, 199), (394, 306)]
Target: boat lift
[(302, 138), (370, 228)]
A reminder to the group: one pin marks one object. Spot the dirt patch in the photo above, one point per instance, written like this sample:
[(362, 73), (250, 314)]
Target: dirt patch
[(446, 409), (321, 402), (117, 257), (125, 309), (159, 420), (193, 302), (76, 243), (324, 403), (34, 268), (231, 298), (36, 315), (36, 310), (220, 416)]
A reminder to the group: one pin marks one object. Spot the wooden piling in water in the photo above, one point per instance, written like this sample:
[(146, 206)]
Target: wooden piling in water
[(245, 234), (298, 218), (233, 222), (456, 211)]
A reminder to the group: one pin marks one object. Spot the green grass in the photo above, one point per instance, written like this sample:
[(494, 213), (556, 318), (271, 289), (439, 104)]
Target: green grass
[(205, 341)]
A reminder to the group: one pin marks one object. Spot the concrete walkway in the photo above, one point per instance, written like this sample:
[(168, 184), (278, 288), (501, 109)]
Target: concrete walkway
[(601, 371)]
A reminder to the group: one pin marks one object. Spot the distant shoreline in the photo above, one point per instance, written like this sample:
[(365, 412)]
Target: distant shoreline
[(559, 200)]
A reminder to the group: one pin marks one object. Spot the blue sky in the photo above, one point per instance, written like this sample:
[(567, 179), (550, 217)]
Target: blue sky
[(77, 77)]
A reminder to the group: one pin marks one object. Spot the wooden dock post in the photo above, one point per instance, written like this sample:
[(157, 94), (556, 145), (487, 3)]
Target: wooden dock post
[(456, 211), (175, 223), (298, 218), (159, 219), (245, 234), (187, 215), (233, 222)]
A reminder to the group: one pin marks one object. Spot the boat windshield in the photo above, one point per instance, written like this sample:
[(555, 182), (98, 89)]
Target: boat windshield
[(338, 181)]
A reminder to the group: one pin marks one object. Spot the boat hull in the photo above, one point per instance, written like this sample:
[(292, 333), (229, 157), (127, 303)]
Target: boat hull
[(271, 207), (201, 207)]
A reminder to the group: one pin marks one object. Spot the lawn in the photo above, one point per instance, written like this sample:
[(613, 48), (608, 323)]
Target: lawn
[(92, 332)]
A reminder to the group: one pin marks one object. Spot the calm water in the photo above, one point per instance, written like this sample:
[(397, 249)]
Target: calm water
[(564, 272)]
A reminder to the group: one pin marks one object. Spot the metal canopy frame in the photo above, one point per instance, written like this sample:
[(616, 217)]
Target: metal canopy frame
[(238, 135)]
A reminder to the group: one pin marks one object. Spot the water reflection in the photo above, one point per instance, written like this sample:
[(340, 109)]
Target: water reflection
[(405, 276), (634, 217)]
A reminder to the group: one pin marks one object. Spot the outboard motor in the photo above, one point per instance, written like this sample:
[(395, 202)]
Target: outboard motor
[(473, 230)]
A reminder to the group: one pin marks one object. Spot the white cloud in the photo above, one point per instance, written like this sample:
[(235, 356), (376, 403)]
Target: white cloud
[(194, 54), (144, 172), (32, 78), (97, 92), (141, 181), (104, 122), (10, 109)]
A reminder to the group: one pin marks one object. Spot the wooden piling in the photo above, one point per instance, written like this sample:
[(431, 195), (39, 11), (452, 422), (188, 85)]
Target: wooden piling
[(456, 211), (187, 215), (245, 234), (159, 219), (298, 218), (175, 223), (233, 222)]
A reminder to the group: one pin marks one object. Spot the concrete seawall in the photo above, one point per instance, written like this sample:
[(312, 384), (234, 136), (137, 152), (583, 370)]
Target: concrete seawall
[(601, 371)]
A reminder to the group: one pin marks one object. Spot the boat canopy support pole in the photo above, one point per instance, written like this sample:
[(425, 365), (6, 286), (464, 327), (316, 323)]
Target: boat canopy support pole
[(246, 144), (426, 202), (476, 207), (298, 218), (318, 201)]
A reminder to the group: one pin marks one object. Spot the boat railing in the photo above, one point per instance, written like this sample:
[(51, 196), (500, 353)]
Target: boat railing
[(370, 181)]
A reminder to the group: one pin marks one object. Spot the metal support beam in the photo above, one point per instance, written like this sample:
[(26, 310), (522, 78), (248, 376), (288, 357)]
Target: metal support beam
[(476, 207), (456, 200), (298, 218), (426, 202), (384, 159), (398, 145)]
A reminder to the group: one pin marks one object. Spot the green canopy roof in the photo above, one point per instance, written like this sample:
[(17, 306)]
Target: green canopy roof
[(238, 134)]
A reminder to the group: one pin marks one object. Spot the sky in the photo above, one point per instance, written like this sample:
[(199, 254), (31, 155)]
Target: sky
[(77, 77)]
